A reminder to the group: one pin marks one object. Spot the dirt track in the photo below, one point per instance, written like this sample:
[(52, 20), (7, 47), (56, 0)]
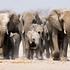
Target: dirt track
[(47, 64), (35, 65)]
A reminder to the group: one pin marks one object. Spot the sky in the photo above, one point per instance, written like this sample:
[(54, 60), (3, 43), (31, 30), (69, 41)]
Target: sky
[(25, 5)]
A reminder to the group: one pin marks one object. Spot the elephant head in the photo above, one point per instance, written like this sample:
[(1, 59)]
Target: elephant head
[(13, 23), (28, 18), (54, 20), (64, 18)]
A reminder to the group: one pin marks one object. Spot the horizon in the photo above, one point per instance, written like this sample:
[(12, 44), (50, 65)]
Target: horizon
[(26, 5)]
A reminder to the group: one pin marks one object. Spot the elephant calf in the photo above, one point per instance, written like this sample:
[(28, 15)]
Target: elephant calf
[(34, 44)]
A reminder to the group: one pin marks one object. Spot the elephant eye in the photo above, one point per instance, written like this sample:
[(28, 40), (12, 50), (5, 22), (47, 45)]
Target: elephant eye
[(23, 22), (39, 32), (62, 21), (34, 21)]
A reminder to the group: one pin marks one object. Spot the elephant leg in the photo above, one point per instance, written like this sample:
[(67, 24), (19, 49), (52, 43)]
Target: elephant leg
[(41, 54), (25, 47), (60, 47), (65, 47), (28, 54), (51, 48), (11, 48), (32, 53), (37, 53), (24, 50), (24, 44), (12, 52), (5, 52), (55, 53), (16, 47), (47, 49), (41, 47)]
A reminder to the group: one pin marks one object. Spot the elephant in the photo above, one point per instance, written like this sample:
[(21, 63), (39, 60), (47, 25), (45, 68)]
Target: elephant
[(64, 18), (33, 43), (4, 19), (39, 29), (59, 38), (13, 26), (27, 19)]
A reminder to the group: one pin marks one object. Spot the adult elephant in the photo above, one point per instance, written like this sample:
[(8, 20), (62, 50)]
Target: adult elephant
[(13, 26), (55, 27), (66, 25), (4, 19), (27, 19)]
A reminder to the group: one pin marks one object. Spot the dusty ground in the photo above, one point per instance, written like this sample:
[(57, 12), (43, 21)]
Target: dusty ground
[(47, 64)]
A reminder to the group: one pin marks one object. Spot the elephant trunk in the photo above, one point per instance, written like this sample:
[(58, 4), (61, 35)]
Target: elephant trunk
[(55, 45)]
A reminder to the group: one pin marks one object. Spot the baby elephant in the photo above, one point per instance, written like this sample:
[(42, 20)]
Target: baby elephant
[(33, 43)]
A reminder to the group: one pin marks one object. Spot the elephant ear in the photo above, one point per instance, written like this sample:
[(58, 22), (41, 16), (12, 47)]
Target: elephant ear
[(66, 21), (53, 20), (38, 19)]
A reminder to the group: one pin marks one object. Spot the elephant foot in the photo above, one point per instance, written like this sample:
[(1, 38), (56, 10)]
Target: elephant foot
[(6, 58), (56, 59), (13, 58), (56, 56), (47, 55), (64, 59), (40, 58)]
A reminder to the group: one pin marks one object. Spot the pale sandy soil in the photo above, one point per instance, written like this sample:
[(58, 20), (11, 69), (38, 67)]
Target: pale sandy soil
[(47, 64)]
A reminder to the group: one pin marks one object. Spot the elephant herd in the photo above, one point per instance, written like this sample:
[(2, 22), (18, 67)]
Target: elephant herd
[(41, 36)]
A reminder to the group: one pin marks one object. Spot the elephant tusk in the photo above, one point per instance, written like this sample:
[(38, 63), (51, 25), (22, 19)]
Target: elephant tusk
[(64, 32)]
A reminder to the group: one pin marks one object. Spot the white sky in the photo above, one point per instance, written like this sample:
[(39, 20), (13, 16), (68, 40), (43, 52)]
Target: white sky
[(24, 5)]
